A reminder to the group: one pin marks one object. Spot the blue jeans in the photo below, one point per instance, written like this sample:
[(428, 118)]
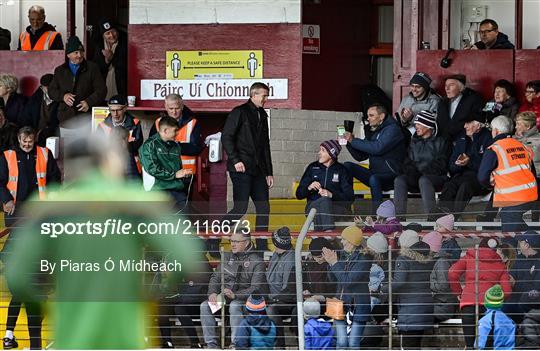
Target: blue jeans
[(377, 182), (512, 217), (352, 341)]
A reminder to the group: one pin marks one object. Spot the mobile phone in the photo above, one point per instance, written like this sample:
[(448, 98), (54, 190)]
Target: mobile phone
[(341, 135)]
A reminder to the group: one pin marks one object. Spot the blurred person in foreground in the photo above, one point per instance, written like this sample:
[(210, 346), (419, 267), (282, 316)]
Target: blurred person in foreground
[(97, 305)]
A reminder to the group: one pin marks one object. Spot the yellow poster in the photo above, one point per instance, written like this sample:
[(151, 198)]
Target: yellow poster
[(233, 64), (98, 115)]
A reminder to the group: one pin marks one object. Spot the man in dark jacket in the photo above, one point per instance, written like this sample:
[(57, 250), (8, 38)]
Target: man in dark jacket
[(245, 139), (491, 38), (244, 273), (327, 185), (425, 167), (385, 150), (463, 165), (460, 105), (8, 133), (111, 57), (39, 35), (77, 84)]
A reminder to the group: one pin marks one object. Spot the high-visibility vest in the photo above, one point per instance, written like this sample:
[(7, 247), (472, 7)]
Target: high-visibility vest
[(514, 182), (107, 130), (41, 171), (183, 135), (44, 42)]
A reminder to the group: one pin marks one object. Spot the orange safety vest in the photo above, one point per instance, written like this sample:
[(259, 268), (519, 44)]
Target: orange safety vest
[(183, 135), (514, 182), (41, 171), (44, 42), (107, 130)]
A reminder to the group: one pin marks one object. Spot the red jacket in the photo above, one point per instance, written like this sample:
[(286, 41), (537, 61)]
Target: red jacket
[(491, 271), (534, 107)]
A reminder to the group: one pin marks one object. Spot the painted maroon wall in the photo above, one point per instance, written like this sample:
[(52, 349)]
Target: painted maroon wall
[(280, 43), (526, 69), (331, 80)]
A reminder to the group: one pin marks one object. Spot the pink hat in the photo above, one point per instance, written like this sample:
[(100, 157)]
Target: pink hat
[(446, 222), (434, 240)]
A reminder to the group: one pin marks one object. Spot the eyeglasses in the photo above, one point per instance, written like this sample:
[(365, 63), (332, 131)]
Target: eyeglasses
[(528, 92), (482, 32), (237, 241)]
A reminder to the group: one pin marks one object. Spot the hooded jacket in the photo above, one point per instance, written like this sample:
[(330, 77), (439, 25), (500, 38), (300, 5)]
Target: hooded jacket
[(161, 160), (426, 157), (280, 277), (473, 147), (319, 335), (410, 285), (57, 44), (468, 108), (430, 102), (530, 330), (244, 273), (256, 332), (500, 328), (385, 148), (491, 271), (501, 42)]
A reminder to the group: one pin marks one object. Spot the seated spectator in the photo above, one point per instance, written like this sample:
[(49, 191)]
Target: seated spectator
[(244, 275), (491, 38), (408, 238), (351, 272), (386, 221), (508, 255), (425, 167), (39, 35), (327, 186), (507, 165), (317, 281), (111, 57), (12, 101), (445, 224), (421, 98), (529, 329), (5, 39), (8, 133), (489, 270), (256, 331), (495, 329), (161, 164), (385, 150), (318, 333), (281, 283), (445, 302), (376, 250), (464, 162), (461, 104), (532, 100), (504, 101), (119, 117)]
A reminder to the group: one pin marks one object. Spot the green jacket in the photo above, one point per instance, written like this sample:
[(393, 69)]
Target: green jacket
[(160, 160)]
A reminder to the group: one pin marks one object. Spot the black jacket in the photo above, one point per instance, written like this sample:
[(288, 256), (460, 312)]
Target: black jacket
[(57, 44), (88, 84), (502, 42), (245, 139), (335, 179), (5, 39), (27, 183), (8, 136), (509, 109), (469, 106), (474, 148), (427, 156), (14, 108), (31, 115), (119, 62)]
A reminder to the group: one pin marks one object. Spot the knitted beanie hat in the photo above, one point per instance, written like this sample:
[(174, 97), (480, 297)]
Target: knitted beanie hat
[(446, 222), (434, 240), (312, 309), (494, 297), (353, 234), (74, 44), (378, 243), (421, 79), (316, 245), (255, 303), (408, 238), (281, 238), (386, 209), (332, 147), (428, 119)]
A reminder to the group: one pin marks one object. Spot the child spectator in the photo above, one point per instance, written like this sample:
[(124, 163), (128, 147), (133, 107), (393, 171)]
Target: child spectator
[(386, 221), (318, 333), (529, 329), (495, 330), (257, 331), (445, 224), (376, 247)]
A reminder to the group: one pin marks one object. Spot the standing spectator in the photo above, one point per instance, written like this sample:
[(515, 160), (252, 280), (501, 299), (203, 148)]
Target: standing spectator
[(461, 104), (351, 272), (8, 133), (532, 100), (39, 35), (77, 85), (411, 285), (491, 38), (467, 153), (509, 162), (385, 149), (495, 330), (376, 249), (256, 331), (244, 275), (421, 98), (5, 39), (491, 271), (504, 101), (425, 167), (386, 221), (246, 141), (317, 282), (328, 187), (111, 57), (12, 101), (529, 329), (318, 333), (281, 283)]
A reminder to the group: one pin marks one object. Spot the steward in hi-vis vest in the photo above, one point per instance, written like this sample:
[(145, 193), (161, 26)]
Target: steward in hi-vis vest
[(39, 35)]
